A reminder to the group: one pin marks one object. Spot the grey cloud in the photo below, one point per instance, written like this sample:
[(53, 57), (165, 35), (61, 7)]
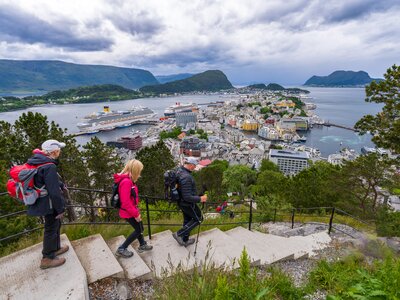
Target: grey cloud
[(207, 55), (20, 26), (141, 24)]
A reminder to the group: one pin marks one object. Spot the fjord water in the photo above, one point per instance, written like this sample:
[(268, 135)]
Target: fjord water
[(343, 106)]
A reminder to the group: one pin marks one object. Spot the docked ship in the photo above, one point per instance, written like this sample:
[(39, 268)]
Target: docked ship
[(108, 120), (180, 107)]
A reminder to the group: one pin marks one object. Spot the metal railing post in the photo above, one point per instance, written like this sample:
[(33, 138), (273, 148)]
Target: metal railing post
[(251, 213), (274, 216), (148, 217), (331, 220), (293, 211)]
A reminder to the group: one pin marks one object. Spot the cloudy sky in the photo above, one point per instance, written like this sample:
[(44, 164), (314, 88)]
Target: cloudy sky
[(251, 41)]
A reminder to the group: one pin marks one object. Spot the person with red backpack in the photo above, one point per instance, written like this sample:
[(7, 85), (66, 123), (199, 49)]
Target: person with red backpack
[(51, 205), (129, 200)]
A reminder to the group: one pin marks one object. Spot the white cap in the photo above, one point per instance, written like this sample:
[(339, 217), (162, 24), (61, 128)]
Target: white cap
[(191, 160), (52, 145)]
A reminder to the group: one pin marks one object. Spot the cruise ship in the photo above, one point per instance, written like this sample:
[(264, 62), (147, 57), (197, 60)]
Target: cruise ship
[(180, 107), (108, 120)]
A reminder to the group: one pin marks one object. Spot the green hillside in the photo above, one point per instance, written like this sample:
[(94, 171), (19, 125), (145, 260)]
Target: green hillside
[(341, 78), (42, 75), (86, 94), (213, 80)]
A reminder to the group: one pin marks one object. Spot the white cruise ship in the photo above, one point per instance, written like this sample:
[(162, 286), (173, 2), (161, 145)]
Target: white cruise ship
[(180, 107)]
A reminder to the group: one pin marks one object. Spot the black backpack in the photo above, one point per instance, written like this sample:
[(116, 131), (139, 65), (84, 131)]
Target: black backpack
[(171, 185), (115, 200)]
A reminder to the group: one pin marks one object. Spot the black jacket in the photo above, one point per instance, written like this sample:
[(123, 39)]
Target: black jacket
[(187, 186), (47, 176)]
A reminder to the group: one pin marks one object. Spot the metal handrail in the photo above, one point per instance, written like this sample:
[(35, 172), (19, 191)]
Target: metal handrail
[(148, 210)]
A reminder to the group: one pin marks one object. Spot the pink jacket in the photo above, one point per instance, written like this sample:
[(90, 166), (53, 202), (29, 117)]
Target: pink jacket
[(129, 204)]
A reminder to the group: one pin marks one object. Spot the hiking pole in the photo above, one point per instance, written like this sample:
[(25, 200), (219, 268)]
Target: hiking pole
[(198, 230)]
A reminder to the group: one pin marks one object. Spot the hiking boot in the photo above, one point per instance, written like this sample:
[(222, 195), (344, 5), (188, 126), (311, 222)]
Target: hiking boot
[(51, 263), (62, 250), (178, 239), (121, 252), (144, 247), (189, 242)]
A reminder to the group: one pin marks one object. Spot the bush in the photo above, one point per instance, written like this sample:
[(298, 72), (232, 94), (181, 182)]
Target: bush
[(388, 223)]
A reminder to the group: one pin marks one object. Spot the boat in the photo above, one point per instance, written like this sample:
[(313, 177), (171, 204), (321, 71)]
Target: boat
[(302, 139), (107, 118), (180, 107)]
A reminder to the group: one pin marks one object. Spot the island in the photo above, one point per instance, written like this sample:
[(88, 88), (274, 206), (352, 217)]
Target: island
[(341, 79)]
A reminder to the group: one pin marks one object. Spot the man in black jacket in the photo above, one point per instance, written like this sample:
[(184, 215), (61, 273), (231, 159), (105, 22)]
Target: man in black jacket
[(51, 205), (188, 198)]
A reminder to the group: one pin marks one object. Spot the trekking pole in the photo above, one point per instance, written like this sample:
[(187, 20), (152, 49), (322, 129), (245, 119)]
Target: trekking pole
[(198, 230)]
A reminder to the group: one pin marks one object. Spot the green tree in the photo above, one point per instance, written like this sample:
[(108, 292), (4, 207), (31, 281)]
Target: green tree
[(385, 126), (156, 160), (210, 179), (239, 178), (359, 182), (101, 162), (314, 186), (268, 165)]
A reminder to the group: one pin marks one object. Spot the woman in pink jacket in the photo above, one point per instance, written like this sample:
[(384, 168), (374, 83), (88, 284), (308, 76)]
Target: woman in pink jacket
[(129, 197)]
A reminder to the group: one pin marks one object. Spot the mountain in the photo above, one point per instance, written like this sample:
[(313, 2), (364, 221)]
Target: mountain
[(276, 87), (257, 86), (34, 75), (341, 78), (168, 78), (212, 80)]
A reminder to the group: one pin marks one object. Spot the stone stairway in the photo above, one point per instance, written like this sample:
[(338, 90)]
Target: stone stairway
[(91, 259)]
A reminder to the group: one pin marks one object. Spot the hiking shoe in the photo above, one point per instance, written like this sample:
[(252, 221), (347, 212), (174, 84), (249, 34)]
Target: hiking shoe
[(47, 263), (189, 242), (144, 247), (62, 250), (124, 253), (178, 239)]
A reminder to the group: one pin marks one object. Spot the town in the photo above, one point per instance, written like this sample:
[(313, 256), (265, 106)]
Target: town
[(243, 129)]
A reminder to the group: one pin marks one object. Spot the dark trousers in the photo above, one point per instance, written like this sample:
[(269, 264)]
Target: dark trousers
[(137, 234), (51, 238), (191, 218)]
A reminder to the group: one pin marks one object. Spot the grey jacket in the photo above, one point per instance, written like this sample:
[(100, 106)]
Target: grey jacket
[(187, 187)]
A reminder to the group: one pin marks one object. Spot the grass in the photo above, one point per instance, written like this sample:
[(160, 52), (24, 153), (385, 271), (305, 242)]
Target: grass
[(210, 282)]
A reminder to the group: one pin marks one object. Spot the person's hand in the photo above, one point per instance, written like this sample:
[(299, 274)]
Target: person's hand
[(138, 218), (203, 198), (60, 216)]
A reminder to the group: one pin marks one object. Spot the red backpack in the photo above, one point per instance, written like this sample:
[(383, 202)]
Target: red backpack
[(21, 185)]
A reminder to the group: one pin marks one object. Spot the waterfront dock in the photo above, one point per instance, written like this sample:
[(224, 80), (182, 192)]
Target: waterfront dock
[(328, 124)]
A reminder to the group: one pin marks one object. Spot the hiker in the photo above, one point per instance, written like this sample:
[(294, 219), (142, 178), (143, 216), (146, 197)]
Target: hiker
[(129, 210), (52, 205), (188, 198)]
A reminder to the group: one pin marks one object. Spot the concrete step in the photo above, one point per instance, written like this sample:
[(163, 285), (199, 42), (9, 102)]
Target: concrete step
[(314, 242), (134, 267), (216, 247), (299, 246), (264, 248), (21, 277), (166, 256), (96, 258)]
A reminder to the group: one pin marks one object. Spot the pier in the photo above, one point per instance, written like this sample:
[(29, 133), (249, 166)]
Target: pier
[(328, 124)]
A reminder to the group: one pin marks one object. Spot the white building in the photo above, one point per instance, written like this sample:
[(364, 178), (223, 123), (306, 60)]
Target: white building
[(289, 162)]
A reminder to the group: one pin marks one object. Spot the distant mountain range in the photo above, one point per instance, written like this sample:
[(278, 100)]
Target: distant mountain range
[(275, 87), (42, 75), (212, 80), (173, 77), (341, 78)]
